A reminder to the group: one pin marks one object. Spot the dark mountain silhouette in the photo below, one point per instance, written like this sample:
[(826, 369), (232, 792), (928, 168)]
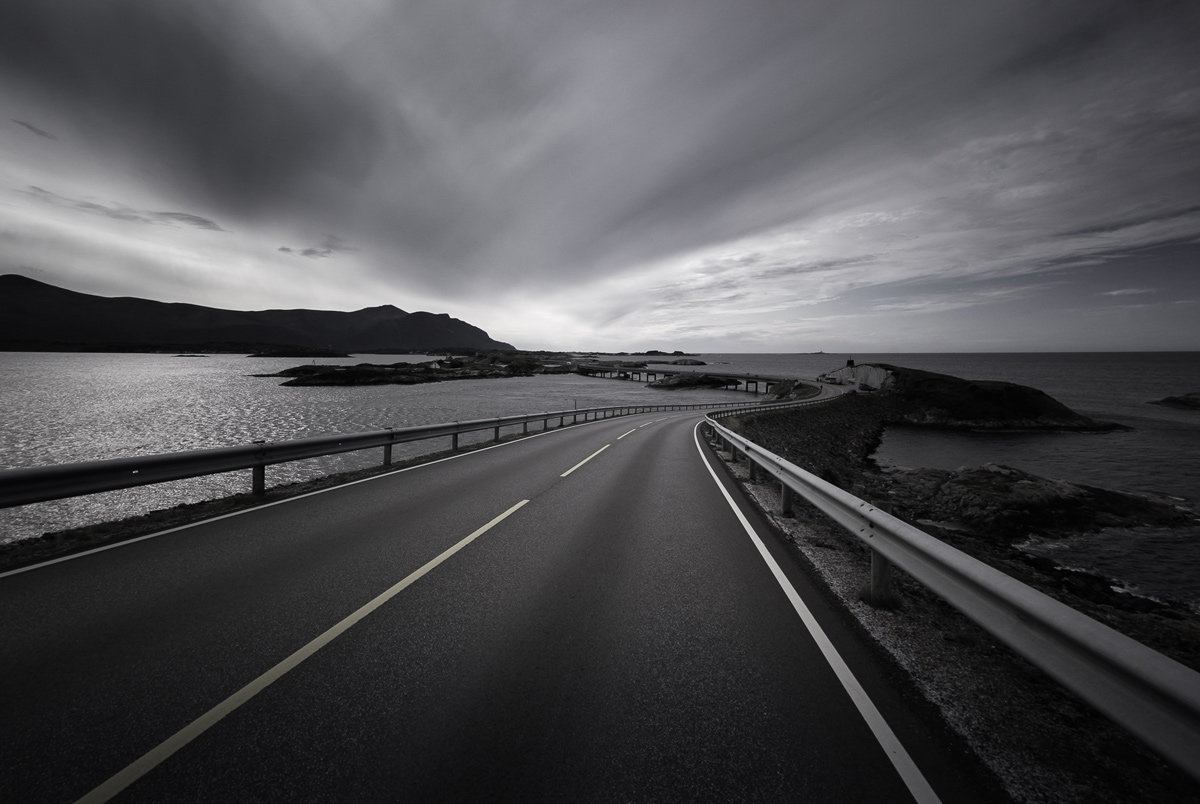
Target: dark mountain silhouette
[(32, 312)]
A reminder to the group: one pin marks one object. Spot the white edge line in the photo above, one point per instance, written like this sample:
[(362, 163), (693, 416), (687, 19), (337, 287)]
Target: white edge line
[(585, 460), (634, 430), (197, 523), (921, 791), (155, 756)]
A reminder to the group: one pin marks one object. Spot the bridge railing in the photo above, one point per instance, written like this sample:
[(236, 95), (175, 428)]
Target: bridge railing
[(42, 483), (1152, 695)]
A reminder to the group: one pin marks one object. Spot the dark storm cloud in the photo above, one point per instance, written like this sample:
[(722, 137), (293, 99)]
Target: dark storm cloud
[(736, 156), (328, 247), (35, 129), (124, 213), (242, 117)]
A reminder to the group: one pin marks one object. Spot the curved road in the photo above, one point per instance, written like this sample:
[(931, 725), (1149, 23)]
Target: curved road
[(586, 615)]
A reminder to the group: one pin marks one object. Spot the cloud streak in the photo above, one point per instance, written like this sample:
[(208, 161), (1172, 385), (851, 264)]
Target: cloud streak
[(712, 169), (121, 212), (328, 247), (31, 127)]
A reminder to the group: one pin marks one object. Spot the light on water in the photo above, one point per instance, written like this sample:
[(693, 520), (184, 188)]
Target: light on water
[(63, 408), (68, 407)]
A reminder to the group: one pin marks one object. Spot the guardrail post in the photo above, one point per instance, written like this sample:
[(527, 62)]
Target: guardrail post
[(497, 433), (454, 442), (753, 468), (387, 453), (258, 474), (524, 428), (879, 594), (786, 498)]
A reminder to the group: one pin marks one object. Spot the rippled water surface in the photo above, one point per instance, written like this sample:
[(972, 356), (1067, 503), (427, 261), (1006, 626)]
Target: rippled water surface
[(65, 407), (61, 408), (1160, 454)]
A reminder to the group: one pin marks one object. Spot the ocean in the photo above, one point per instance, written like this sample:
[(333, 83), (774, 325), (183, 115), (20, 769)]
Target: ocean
[(67, 407)]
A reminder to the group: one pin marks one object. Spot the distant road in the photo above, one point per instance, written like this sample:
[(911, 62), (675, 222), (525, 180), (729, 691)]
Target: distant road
[(576, 616)]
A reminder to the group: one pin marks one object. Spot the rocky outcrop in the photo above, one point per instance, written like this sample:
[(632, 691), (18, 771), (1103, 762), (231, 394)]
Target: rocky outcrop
[(923, 398), (406, 373), (1186, 402), (688, 379), (1015, 504)]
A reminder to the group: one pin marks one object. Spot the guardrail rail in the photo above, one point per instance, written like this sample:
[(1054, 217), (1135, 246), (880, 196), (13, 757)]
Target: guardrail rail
[(39, 484), (1151, 695)]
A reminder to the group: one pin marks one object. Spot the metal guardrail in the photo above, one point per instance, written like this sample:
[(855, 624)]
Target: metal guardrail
[(1152, 695), (39, 484)]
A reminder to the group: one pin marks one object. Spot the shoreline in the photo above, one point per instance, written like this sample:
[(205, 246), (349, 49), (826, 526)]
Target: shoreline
[(1045, 744)]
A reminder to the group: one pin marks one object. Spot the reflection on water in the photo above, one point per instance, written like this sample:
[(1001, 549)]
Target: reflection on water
[(63, 408)]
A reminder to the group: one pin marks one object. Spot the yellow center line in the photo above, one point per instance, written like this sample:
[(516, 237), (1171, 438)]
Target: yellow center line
[(634, 430), (585, 460), (155, 756)]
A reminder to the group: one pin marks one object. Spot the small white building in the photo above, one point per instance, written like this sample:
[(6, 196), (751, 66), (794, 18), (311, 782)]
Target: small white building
[(872, 378)]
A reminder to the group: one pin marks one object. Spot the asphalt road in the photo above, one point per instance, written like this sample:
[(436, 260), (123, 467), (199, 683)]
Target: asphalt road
[(517, 632)]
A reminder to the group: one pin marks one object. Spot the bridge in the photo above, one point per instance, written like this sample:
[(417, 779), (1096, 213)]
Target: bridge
[(591, 612), (752, 383)]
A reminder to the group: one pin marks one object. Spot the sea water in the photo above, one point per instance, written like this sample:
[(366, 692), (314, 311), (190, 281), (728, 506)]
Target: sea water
[(69, 407), (66, 407), (1160, 454)]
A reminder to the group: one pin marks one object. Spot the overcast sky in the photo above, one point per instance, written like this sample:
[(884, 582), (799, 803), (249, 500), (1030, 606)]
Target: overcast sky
[(709, 175)]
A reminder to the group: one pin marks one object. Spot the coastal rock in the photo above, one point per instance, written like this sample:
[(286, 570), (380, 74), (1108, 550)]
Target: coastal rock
[(1013, 504), (1186, 402), (406, 373), (690, 379), (924, 398)]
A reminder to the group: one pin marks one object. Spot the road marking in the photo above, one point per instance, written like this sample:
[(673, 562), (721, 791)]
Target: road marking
[(198, 523), (155, 756), (647, 424), (921, 791), (634, 430), (585, 460)]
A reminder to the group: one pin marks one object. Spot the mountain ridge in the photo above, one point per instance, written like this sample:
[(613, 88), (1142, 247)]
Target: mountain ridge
[(34, 312)]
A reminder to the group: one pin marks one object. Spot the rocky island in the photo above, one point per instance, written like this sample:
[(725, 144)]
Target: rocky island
[(484, 366), (1045, 743), (926, 399), (689, 379), (987, 511), (1186, 402)]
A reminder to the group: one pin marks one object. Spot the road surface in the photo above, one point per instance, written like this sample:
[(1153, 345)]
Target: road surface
[(586, 615)]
